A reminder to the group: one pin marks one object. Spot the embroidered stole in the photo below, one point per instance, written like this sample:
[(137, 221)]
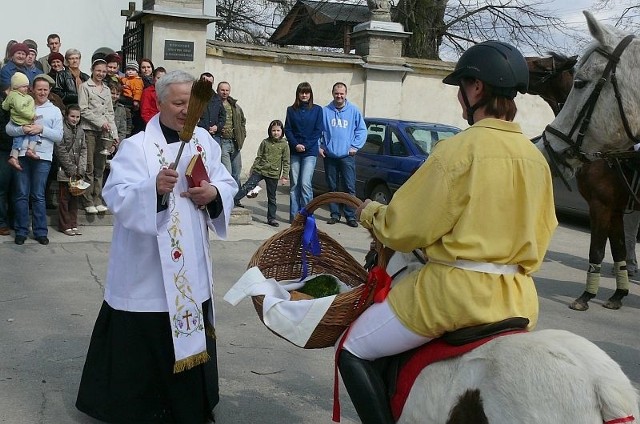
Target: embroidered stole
[(178, 253)]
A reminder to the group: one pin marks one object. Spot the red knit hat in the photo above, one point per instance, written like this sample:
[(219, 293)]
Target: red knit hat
[(18, 47), (113, 57), (55, 56)]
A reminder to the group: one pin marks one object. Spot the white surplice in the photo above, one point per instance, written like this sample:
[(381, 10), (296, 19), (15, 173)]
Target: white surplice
[(138, 280)]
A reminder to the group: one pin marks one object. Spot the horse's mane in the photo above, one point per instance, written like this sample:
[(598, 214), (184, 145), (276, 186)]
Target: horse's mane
[(587, 52)]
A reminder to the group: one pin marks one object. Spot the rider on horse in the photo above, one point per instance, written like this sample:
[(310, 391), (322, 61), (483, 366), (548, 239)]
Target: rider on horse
[(481, 209)]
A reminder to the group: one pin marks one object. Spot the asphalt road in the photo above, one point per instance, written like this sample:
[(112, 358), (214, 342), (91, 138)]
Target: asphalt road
[(50, 296)]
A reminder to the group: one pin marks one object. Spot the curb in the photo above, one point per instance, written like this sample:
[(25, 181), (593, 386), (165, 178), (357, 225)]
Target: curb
[(239, 216)]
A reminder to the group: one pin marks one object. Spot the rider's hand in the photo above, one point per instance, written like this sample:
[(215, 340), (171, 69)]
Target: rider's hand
[(361, 207)]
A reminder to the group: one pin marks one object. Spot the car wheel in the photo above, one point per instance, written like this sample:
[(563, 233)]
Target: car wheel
[(380, 194)]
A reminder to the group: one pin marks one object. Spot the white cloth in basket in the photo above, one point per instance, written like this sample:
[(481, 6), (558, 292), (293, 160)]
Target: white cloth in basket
[(293, 320)]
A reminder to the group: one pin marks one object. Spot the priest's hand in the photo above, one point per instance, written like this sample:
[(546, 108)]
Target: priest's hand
[(202, 195), (166, 180)]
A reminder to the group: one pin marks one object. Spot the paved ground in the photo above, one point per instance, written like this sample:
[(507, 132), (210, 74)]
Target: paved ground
[(50, 296)]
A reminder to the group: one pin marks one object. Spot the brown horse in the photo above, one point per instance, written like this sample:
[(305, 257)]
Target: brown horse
[(551, 78), (599, 183)]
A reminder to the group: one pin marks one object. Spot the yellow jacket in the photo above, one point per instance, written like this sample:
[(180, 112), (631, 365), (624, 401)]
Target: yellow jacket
[(484, 195)]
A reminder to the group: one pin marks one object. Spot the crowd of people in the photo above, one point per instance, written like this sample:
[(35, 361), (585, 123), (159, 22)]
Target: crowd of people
[(40, 147), (100, 109)]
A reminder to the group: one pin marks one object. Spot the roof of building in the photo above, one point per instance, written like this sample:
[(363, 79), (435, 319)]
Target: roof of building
[(319, 24)]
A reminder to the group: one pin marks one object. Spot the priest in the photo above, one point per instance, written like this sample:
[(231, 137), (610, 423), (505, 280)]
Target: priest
[(152, 354)]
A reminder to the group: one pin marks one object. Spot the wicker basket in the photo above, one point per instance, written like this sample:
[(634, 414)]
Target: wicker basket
[(280, 257)]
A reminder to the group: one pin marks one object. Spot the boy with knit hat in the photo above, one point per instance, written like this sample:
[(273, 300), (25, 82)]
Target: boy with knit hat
[(132, 86), (22, 110)]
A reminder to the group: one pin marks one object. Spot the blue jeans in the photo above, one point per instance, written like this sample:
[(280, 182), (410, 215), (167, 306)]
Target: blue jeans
[(31, 183), (300, 174), (6, 177), (340, 174), (230, 158)]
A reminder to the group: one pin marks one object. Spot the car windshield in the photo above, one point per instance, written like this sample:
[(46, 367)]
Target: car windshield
[(426, 137)]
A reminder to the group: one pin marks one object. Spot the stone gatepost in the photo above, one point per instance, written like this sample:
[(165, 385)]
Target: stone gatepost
[(175, 33), (379, 42)]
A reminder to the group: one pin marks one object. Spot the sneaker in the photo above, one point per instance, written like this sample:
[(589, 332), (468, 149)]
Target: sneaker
[(105, 152), (15, 163), (69, 232), (43, 240), (273, 223), (76, 231), (352, 223), (253, 193), (20, 240), (333, 220), (101, 208), (237, 204), (91, 209)]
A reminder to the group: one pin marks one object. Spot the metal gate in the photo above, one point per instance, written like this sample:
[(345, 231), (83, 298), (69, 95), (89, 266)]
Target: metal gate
[(132, 42)]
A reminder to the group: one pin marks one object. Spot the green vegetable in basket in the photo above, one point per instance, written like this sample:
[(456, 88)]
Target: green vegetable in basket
[(321, 286)]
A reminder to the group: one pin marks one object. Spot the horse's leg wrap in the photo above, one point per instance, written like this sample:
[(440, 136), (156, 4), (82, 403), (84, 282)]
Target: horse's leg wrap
[(593, 279), (622, 286), (366, 389), (622, 277), (593, 282)]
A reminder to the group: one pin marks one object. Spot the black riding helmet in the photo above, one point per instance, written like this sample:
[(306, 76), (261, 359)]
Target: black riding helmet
[(495, 63)]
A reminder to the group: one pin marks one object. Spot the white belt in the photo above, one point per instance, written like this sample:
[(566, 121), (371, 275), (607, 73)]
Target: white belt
[(488, 267)]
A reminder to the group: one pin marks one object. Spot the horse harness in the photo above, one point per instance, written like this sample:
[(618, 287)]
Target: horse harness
[(584, 116), (584, 119)]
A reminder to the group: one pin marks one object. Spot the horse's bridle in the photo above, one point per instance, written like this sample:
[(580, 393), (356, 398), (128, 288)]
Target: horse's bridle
[(546, 75), (584, 116)]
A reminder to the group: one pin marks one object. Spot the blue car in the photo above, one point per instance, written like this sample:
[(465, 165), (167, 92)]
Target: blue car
[(394, 150)]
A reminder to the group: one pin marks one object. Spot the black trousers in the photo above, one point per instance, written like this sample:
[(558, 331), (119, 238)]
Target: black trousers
[(128, 374), (272, 187)]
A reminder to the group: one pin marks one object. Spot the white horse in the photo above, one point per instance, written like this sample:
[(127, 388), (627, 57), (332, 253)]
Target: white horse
[(592, 120), (546, 376)]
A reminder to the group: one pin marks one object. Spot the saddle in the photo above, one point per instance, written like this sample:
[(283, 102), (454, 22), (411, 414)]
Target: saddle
[(400, 371)]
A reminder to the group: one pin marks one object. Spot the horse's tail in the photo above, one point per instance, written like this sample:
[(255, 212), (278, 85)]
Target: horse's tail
[(615, 395), (617, 398)]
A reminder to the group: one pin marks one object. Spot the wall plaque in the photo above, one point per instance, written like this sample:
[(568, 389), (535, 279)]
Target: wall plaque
[(178, 50)]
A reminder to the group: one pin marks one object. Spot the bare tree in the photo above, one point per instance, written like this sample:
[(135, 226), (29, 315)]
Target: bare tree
[(629, 17), (455, 25), (249, 21), (437, 26)]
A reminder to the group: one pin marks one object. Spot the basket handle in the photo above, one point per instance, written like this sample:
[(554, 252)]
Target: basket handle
[(325, 199), (349, 200)]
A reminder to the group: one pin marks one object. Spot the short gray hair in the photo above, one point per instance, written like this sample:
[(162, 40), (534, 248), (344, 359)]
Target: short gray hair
[(173, 77), (71, 52)]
